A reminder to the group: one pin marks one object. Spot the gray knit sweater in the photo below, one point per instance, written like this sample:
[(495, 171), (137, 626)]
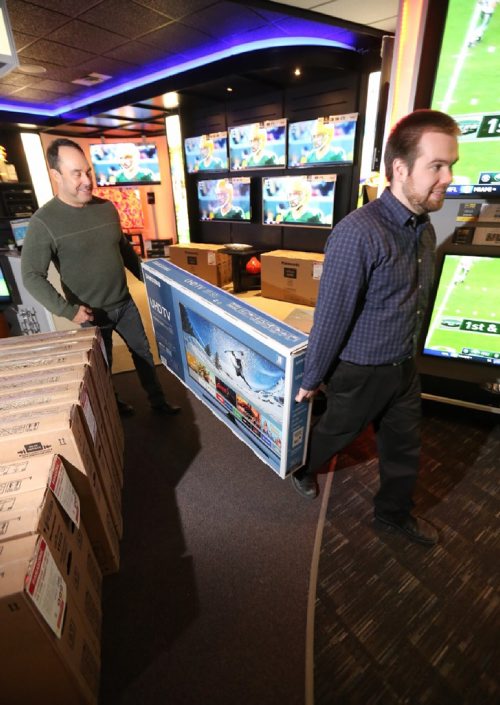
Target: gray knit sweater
[(89, 251)]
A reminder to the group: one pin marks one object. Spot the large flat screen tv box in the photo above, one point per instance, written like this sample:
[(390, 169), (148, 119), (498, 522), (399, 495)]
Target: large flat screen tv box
[(205, 260), (243, 364), (291, 276)]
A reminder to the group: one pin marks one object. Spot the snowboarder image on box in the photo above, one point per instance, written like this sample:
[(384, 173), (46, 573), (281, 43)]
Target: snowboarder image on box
[(237, 360)]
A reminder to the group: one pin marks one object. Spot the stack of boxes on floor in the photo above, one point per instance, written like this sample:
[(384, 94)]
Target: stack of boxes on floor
[(61, 475)]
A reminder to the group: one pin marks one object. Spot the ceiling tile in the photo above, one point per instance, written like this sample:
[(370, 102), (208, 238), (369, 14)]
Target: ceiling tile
[(138, 53), (55, 53), (176, 8), (83, 35), (178, 38), (66, 7), (126, 18), (31, 19), (224, 18)]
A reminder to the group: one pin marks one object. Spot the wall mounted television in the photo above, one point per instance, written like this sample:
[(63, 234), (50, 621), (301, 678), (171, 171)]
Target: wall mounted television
[(19, 228), (303, 199), (5, 292), (470, 53), (206, 153), (322, 141), (225, 199), (125, 163), (259, 145), (464, 319)]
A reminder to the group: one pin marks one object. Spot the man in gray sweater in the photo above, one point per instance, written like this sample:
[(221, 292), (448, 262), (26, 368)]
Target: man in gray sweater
[(81, 234)]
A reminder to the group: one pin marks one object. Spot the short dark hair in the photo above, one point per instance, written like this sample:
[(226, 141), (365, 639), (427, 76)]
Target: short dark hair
[(404, 138), (53, 151)]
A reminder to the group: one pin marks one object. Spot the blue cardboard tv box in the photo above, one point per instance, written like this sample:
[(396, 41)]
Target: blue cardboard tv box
[(245, 365)]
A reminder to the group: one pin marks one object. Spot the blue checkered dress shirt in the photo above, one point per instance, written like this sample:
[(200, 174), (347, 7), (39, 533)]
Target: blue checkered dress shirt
[(377, 276)]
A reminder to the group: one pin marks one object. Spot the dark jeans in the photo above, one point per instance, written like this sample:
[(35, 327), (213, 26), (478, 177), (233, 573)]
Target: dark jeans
[(389, 397), (126, 321)]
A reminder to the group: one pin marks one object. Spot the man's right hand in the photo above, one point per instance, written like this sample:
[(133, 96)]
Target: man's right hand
[(83, 315)]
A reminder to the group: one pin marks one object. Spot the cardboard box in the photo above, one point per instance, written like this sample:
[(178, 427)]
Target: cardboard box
[(243, 364), (204, 260), (38, 499), (46, 652), (61, 430), (291, 276)]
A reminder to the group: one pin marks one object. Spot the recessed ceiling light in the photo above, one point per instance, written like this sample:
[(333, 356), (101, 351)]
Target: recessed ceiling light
[(297, 72), (229, 89), (32, 69)]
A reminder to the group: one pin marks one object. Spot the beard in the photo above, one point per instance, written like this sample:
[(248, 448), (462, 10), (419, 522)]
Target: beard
[(424, 202)]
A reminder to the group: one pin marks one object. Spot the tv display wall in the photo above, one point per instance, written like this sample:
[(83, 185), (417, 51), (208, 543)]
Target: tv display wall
[(470, 54), (206, 153), (125, 163), (224, 199), (322, 141), (301, 199), (259, 145)]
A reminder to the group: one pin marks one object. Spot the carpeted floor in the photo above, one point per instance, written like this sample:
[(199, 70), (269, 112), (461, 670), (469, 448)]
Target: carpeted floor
[(398, 623), (210, 604)]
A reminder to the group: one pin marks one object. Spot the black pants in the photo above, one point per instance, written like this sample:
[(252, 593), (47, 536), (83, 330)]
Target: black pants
[(389, 397), (126, 321)]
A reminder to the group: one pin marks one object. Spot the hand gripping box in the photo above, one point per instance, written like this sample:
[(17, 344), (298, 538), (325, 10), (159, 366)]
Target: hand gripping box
[(207, 261), (47, 653), (38, 498), (61, 430), (291, 276), (244, 365)]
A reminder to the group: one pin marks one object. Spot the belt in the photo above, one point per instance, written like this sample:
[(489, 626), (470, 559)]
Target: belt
[(396, 363)]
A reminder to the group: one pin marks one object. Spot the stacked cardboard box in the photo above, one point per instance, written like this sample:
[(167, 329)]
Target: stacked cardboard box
[(207, 261), (56, 396), (291, 276), (50, 587)]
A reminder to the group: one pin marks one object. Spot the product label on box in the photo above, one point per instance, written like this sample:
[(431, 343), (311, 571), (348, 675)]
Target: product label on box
[(46, 587), (192, 259), (62, 488), (211, 258), (317, 270), (88, 413)]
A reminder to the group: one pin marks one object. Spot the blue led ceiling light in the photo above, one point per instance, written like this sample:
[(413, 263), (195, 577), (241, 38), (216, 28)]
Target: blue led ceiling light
[(170, 71)]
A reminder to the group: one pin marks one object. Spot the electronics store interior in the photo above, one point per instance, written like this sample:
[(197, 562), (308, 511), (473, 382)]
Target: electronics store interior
[(166, 558)]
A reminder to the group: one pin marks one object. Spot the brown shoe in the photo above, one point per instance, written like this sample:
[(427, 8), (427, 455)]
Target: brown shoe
[(414, 528)]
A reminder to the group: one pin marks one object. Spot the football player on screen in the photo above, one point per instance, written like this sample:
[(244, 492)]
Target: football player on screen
[(226, 210), (259, 155), (323, 150), (208, 162), (299, 195)]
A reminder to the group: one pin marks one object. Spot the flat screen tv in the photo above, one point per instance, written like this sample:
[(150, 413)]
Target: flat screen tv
[(322, 141), (302, 199), (259, 145), (465, 314), (225, 199), (19, 228), (5, 292), (464, 87), (206, 153), (125, 163)]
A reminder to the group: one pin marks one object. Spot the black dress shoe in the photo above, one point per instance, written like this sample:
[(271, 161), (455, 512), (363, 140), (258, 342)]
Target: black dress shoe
[(306, 486), (414, 528), (166, 409), (124, 409)]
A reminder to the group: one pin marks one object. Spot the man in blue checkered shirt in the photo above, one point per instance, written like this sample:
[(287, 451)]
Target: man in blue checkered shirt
[(377, 276)]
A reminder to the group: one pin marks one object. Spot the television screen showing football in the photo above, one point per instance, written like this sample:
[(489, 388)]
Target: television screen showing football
[(465, 318)]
